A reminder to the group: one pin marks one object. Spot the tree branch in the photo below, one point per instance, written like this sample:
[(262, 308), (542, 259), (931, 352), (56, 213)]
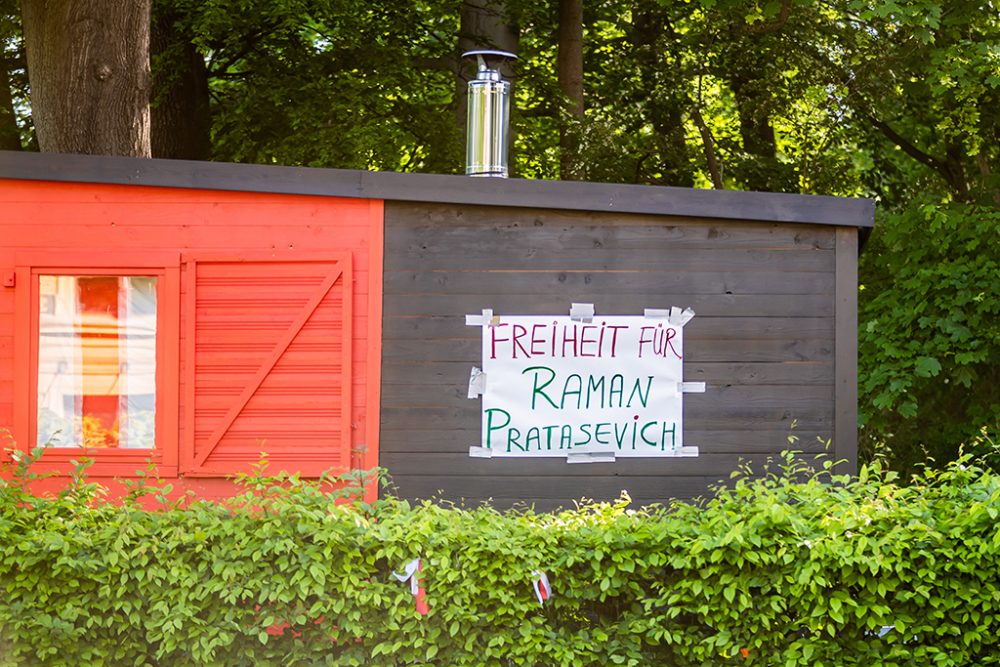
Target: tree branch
[(905, 145), (709, 143), (861, 106), (774, 26)]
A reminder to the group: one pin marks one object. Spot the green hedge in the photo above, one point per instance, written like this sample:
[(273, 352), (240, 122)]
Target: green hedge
[(790, 569)]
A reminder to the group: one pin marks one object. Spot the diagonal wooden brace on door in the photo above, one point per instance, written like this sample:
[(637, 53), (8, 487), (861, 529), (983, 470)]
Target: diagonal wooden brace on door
[(279, 349)]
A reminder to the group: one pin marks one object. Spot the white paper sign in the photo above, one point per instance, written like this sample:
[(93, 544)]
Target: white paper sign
[(558, 386)]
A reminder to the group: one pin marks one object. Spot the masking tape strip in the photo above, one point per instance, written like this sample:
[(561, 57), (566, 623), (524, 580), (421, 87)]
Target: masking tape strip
[(691, 387), (590, 457), (680, 452), (581, 312), (673, 315), (481, 320), (477, 383), (480, 452)]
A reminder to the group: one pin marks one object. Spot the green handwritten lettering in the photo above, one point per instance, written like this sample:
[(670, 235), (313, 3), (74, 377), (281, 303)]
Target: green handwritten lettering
[(513, 436), (572, 387), (642, 433), (538, 389), (602, 428), (566, 437), (637, 389), (534, 435), (617, 388), (673, 435), (595, 386), (490, 427)]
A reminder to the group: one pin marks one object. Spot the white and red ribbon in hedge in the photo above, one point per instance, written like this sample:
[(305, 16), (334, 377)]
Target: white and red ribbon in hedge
[(540, 582), (411, 573)]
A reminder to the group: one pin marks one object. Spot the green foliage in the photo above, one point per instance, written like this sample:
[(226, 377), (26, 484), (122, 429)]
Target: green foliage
[(794, 567), (930, 337), (328, 83), (15, 122)]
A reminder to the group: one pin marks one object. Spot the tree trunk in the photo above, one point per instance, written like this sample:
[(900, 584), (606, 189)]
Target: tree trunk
[(570, 67), (10, 134), (762, 172), (88, 69), (484, 25), (180, 119), (664, 108)]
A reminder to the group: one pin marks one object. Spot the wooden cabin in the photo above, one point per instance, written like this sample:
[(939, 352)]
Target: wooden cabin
[(196, 316)]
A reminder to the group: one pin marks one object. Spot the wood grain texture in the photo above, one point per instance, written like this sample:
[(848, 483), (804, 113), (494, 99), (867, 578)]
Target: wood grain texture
[(716, 398), (706, 327), (695, 349), (610, 259), (232, 406), (234, 227), (763, 339), (737, 440), (88, 64), (453, 374), (619, 282), (846, 362), (427, 464), (398, 304), (749, 418)]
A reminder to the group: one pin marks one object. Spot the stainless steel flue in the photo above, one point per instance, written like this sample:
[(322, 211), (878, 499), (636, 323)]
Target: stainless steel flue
[(488, 116)]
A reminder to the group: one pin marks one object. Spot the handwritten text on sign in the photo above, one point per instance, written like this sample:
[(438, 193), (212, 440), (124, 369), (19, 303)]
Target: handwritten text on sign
[(556, 386)]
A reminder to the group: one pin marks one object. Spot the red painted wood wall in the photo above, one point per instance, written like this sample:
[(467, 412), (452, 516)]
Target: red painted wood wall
[(269, 321)]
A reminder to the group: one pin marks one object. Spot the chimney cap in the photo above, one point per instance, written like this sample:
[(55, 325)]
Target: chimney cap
[(491, 58)]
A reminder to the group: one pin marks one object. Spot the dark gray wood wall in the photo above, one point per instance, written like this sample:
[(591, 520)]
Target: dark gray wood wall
[(763, 339)]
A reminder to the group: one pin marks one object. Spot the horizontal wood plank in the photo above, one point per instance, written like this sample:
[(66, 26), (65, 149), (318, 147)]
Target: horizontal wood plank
[(609, 259), (695, 350), (715, 398), (737, 440), (714, 327), (415, 464), (735, 416), (625, 281), (415, 224), (456, 373), (527, 303)]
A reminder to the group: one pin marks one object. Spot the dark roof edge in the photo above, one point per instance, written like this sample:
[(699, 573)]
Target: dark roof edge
[(580, 196)]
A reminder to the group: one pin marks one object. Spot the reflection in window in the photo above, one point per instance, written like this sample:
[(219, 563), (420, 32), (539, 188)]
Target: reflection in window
[(97, 361)]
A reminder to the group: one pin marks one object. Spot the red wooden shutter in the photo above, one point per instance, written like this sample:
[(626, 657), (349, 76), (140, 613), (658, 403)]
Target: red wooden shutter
[(268, 364)]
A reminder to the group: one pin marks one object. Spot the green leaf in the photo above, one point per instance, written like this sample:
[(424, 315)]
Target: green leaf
[(927, 366)]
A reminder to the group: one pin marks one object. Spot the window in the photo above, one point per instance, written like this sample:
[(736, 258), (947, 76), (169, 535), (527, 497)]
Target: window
[(97, 341)]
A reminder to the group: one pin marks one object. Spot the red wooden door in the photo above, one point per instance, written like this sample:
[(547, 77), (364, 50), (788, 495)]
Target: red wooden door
[(268, 364)]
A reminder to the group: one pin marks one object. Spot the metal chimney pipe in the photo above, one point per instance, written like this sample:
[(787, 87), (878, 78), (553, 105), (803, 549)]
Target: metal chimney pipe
[(488, 116)]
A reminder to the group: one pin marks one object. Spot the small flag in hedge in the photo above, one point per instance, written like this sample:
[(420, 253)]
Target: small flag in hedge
[(540, 582), (411, 573)]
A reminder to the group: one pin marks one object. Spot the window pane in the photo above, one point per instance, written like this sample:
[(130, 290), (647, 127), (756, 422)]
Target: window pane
[(97, 361)]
